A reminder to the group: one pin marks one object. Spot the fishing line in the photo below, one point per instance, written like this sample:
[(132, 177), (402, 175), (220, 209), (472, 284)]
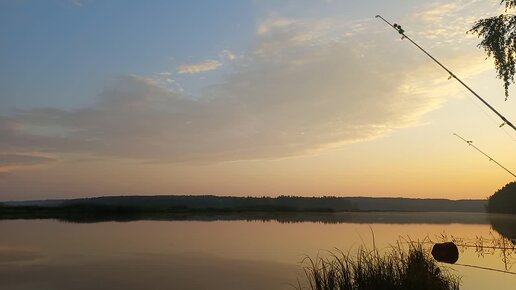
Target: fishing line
[(469, 265), (479, 267), (485, 268), (492, 119), (472, 246), (400, 30), (486, 247), (470, 143)]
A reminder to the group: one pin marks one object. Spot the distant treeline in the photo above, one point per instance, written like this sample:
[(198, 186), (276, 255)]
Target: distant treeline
[(127, 208), (504, 200), (211, 202), (230, 203)]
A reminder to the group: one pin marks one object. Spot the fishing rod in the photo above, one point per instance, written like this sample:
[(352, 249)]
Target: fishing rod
[(400, 30), (470, 143)]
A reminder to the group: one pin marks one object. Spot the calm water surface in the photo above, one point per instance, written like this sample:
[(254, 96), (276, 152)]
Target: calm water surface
[(50, 254)]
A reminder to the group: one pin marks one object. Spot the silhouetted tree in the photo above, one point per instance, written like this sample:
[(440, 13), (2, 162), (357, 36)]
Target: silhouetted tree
[(498, 35), (504, 200)]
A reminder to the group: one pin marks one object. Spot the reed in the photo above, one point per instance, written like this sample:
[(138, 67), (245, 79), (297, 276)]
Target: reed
[(399, 268)]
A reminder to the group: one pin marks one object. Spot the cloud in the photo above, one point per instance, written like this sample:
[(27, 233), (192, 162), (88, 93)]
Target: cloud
[(446, 23), (227, 54), (312, 95), (199, 67), (274, 24), (10, 162), (21, 159), (278, 33), (437, 12), (78, 3)]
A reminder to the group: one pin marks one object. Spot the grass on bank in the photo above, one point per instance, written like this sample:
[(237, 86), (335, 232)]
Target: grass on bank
[(398, 269)]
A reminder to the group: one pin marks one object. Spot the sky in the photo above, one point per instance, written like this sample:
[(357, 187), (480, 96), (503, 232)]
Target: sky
[(247, 98)]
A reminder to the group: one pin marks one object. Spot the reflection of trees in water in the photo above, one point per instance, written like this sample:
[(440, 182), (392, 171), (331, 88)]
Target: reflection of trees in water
[(251, 216), (504, 224), (505, 227)]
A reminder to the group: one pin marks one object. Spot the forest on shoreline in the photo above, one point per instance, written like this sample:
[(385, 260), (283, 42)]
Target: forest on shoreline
[(209, 206)]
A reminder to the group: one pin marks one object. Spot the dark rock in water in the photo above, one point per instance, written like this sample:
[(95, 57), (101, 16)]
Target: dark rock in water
[(445, 252)]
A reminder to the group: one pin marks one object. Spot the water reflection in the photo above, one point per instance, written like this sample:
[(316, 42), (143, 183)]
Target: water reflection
[(221, 251), (504, 224), (181, 271), (281, 217), (500, 242), (15, 254)]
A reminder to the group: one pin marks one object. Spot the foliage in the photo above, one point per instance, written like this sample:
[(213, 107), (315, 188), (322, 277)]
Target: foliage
[(400, 269), (508, 3), (504, 200), (498, 35)]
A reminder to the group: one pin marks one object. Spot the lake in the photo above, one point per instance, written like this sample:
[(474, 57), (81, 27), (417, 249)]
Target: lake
[(226, 254)]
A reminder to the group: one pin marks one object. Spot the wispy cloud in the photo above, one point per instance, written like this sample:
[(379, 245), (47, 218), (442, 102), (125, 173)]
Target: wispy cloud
[(445, 23), (274, 24), (276, 33), (226, 54), (76, 2), (10, 162), (23, 159), (437, 12), (194, 68)]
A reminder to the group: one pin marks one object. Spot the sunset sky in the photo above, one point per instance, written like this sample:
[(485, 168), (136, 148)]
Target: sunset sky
[(247, 98)]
